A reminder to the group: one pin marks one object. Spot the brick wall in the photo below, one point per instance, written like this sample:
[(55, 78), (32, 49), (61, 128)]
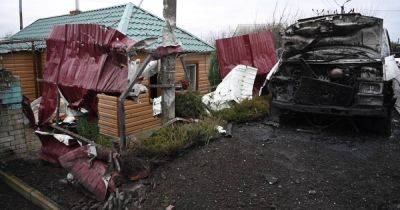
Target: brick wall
[(12, 129)]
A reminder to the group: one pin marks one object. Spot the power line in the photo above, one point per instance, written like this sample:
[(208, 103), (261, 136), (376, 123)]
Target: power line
[(327, 3), (336, 3)]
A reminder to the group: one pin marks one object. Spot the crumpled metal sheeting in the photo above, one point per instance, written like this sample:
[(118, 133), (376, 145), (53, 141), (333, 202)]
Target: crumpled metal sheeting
[(52, 149), (48, 102), (256, 50), (236, 86), (92, 175), (82, 60)]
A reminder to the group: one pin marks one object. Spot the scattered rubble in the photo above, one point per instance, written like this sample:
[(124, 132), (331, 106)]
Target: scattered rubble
[(271, 179), (312, 192)]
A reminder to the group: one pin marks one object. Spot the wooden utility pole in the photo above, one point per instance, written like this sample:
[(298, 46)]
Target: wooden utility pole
[(21, 22), (168, 62), (342, 10)]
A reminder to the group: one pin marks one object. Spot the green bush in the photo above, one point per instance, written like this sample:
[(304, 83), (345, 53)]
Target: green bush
[(171, 139), (246, 111), (189, 105), (90, 130)]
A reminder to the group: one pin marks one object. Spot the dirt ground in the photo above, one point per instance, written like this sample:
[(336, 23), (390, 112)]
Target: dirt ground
[(9, 199), (48, 179), (261, 167)]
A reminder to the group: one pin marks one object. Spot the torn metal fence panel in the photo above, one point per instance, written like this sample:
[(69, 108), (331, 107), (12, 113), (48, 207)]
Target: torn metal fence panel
[(256, 50)]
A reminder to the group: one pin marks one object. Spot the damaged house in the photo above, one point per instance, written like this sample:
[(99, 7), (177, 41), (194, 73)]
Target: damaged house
[(24, 54)]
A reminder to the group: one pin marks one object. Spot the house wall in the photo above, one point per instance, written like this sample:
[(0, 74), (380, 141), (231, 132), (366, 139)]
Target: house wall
[(139, 115), (21, 64)]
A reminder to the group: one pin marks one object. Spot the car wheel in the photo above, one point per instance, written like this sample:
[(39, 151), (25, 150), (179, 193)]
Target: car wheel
[(383, 126)]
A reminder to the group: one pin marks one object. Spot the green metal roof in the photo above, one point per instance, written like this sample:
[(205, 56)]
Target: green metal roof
[(142, 24)]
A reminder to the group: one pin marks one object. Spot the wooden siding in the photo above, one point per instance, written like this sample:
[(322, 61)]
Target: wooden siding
[(139, 115), (21, 64), (203, 64)]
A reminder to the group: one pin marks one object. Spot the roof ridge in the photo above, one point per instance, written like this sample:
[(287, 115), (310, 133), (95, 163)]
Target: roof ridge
[(93, 10), (179, 28), (57, 16)]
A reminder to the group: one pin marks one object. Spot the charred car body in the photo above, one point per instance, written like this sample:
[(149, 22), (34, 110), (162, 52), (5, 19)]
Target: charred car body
[(334, 65)]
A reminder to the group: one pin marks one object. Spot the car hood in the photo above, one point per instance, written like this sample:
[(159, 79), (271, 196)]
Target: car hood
[(350, 33)]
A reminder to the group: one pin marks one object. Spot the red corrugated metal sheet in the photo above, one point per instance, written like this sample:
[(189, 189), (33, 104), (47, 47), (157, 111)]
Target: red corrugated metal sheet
[(256, 50), (52, 149), (89, 175), (82, 60)]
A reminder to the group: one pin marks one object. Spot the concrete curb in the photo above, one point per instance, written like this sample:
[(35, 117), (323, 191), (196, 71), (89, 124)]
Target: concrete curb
[(28, 192)]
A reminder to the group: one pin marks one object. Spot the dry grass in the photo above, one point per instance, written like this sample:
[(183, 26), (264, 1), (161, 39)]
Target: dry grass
[(175, 138), (246, 111)]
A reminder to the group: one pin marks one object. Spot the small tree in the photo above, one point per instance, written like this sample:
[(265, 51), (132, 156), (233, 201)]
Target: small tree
[(213, 73)]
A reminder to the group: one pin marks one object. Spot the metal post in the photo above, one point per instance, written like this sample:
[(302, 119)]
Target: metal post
[(21, 24), (35, 69), (168, 62), (121, 104), (76, 5)]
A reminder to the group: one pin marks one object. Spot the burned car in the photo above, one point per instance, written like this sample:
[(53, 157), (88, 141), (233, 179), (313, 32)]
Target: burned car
[(334, 65)]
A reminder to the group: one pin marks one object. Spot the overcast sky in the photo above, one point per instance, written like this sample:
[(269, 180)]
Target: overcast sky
[(202, 17)]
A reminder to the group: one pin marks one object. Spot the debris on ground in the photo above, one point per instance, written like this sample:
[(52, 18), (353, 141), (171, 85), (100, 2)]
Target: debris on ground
[(271, 123), (334, 168), (220, 130), (271, 179), (228, 129), (337, 164), (170, 207), (312, 192), (305, 131)]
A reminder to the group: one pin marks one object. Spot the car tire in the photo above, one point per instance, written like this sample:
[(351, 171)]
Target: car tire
[(383, 125)]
